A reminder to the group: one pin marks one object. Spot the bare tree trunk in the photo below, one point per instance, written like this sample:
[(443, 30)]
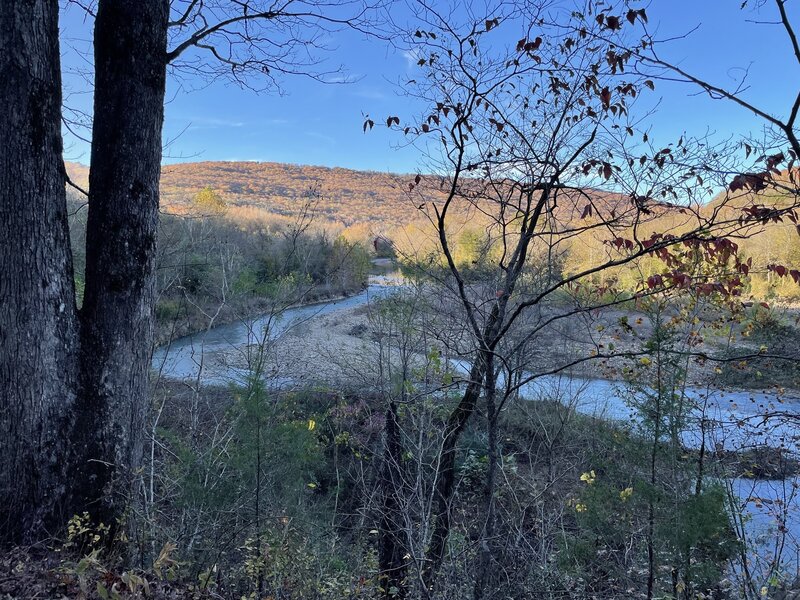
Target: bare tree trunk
[(38, 329), (485, 553), (391, 547), (651, 518), (446, 473), (116, 321)]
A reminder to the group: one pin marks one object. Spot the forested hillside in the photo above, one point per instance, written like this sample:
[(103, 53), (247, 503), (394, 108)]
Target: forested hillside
[(345, 196), (364, 205)]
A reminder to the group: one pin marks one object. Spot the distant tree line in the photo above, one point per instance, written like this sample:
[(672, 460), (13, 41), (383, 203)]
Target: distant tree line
[(208, 260)]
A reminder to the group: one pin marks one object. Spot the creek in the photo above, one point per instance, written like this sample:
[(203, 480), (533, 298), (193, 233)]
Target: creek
[(731, 419)]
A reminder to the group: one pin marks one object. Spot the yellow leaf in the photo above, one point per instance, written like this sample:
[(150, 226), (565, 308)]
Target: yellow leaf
[(312, 424)]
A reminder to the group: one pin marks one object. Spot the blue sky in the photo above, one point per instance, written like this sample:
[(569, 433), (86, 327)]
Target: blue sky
[(314, 123)]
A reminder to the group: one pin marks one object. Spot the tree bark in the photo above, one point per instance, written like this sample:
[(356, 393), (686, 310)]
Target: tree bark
[(38, 330), (486, 541), (444, 487), (391, 544), (117, 314)]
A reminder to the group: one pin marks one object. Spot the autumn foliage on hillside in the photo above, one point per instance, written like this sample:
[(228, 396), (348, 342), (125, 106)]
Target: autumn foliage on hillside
[(347, 196), (367, 205)]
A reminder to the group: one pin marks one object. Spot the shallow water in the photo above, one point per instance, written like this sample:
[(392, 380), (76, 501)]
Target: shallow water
[(204, 356), (731, 419)]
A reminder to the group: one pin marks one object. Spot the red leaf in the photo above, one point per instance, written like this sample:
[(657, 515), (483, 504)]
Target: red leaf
[(753, 181), (534, 45), (779, 270), (605, 97), (655, 281), (775, 160)]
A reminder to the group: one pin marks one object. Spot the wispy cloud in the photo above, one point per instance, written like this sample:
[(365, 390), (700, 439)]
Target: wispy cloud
[(370, 93), (321, 136), (212, 123), (412, 57), (344, 78)]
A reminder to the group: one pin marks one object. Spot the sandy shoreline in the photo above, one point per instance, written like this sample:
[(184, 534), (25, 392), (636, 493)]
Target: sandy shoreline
[(342, 347)]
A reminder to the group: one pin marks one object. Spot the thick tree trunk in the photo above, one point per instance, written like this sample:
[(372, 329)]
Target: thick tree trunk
[(38, 330), (117, 317)]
